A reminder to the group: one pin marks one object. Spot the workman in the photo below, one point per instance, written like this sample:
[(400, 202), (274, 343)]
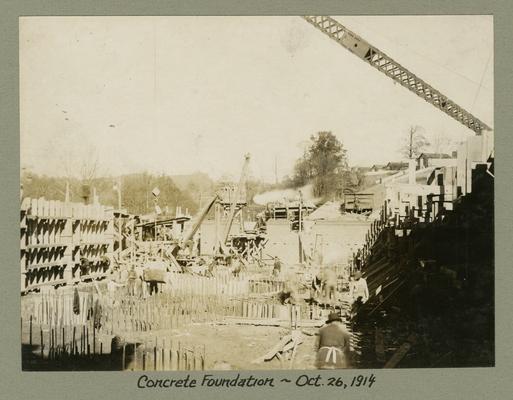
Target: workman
[(359, 289), (154, 287), (237, 268), (330, 284), (316, 284), (290, 291), (276, 266), (85, 264), (334, 344), (358, 259), (290, 296), (132, 277)]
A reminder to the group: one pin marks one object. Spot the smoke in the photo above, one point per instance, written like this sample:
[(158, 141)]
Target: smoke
[(285, 195), (335, 255)]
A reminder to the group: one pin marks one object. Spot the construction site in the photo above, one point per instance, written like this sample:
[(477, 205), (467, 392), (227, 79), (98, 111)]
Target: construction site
[(229, 288)]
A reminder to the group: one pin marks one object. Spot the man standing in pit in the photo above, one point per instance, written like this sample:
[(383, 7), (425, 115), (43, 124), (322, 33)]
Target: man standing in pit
[(334, 344), (276, 267), (290, 295)]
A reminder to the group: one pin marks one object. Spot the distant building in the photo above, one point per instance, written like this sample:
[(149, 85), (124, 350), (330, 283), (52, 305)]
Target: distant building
[(377, 167), (426, 159), (378, 172), (396, 166)]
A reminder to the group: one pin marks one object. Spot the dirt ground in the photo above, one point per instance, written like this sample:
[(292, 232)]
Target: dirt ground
[(239, 345)]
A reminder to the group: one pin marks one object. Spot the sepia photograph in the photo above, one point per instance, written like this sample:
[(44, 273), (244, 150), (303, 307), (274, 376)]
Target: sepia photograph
[(217, 193)]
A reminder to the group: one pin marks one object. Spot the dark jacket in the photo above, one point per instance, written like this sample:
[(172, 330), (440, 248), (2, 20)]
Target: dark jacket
[(333, 336)]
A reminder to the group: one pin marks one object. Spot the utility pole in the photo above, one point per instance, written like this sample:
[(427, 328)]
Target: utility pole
[(118, 187), (275, 169), (412, 131), (156, 193), (299, 227), (66, 196), (300, 208)]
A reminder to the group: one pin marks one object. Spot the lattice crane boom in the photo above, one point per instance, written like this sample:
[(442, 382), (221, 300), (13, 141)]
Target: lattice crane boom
[(379, 60)]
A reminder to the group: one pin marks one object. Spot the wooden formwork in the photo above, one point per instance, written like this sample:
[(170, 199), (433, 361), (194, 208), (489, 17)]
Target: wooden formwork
[(55, 239)]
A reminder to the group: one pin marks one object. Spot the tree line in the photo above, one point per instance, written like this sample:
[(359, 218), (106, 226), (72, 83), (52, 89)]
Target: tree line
[(136, 191), (324, 162)]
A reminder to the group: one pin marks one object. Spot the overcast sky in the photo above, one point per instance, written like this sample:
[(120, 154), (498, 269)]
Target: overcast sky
[(184, 94)]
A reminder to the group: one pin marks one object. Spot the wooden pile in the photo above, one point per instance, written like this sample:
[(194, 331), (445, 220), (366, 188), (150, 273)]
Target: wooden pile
[(192, 285), (56, 341), (164, 356), (267, 285), (75, 345)]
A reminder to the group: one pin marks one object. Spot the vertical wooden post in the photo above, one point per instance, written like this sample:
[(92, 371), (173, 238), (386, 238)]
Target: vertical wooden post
[(73, 342), (179, 356), (123, 357), (42, 341), (87, 341), (155, 357), (51, 343)]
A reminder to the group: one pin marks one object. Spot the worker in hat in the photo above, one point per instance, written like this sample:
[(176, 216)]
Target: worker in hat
[(334, 344), (359, 289), (277, 267)]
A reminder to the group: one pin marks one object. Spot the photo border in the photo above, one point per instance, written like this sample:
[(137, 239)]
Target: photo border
[(463, 383)]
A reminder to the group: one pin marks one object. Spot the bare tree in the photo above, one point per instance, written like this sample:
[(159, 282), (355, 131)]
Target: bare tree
[(415, 142), (89, 163), (80, 168), (84, 165)]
